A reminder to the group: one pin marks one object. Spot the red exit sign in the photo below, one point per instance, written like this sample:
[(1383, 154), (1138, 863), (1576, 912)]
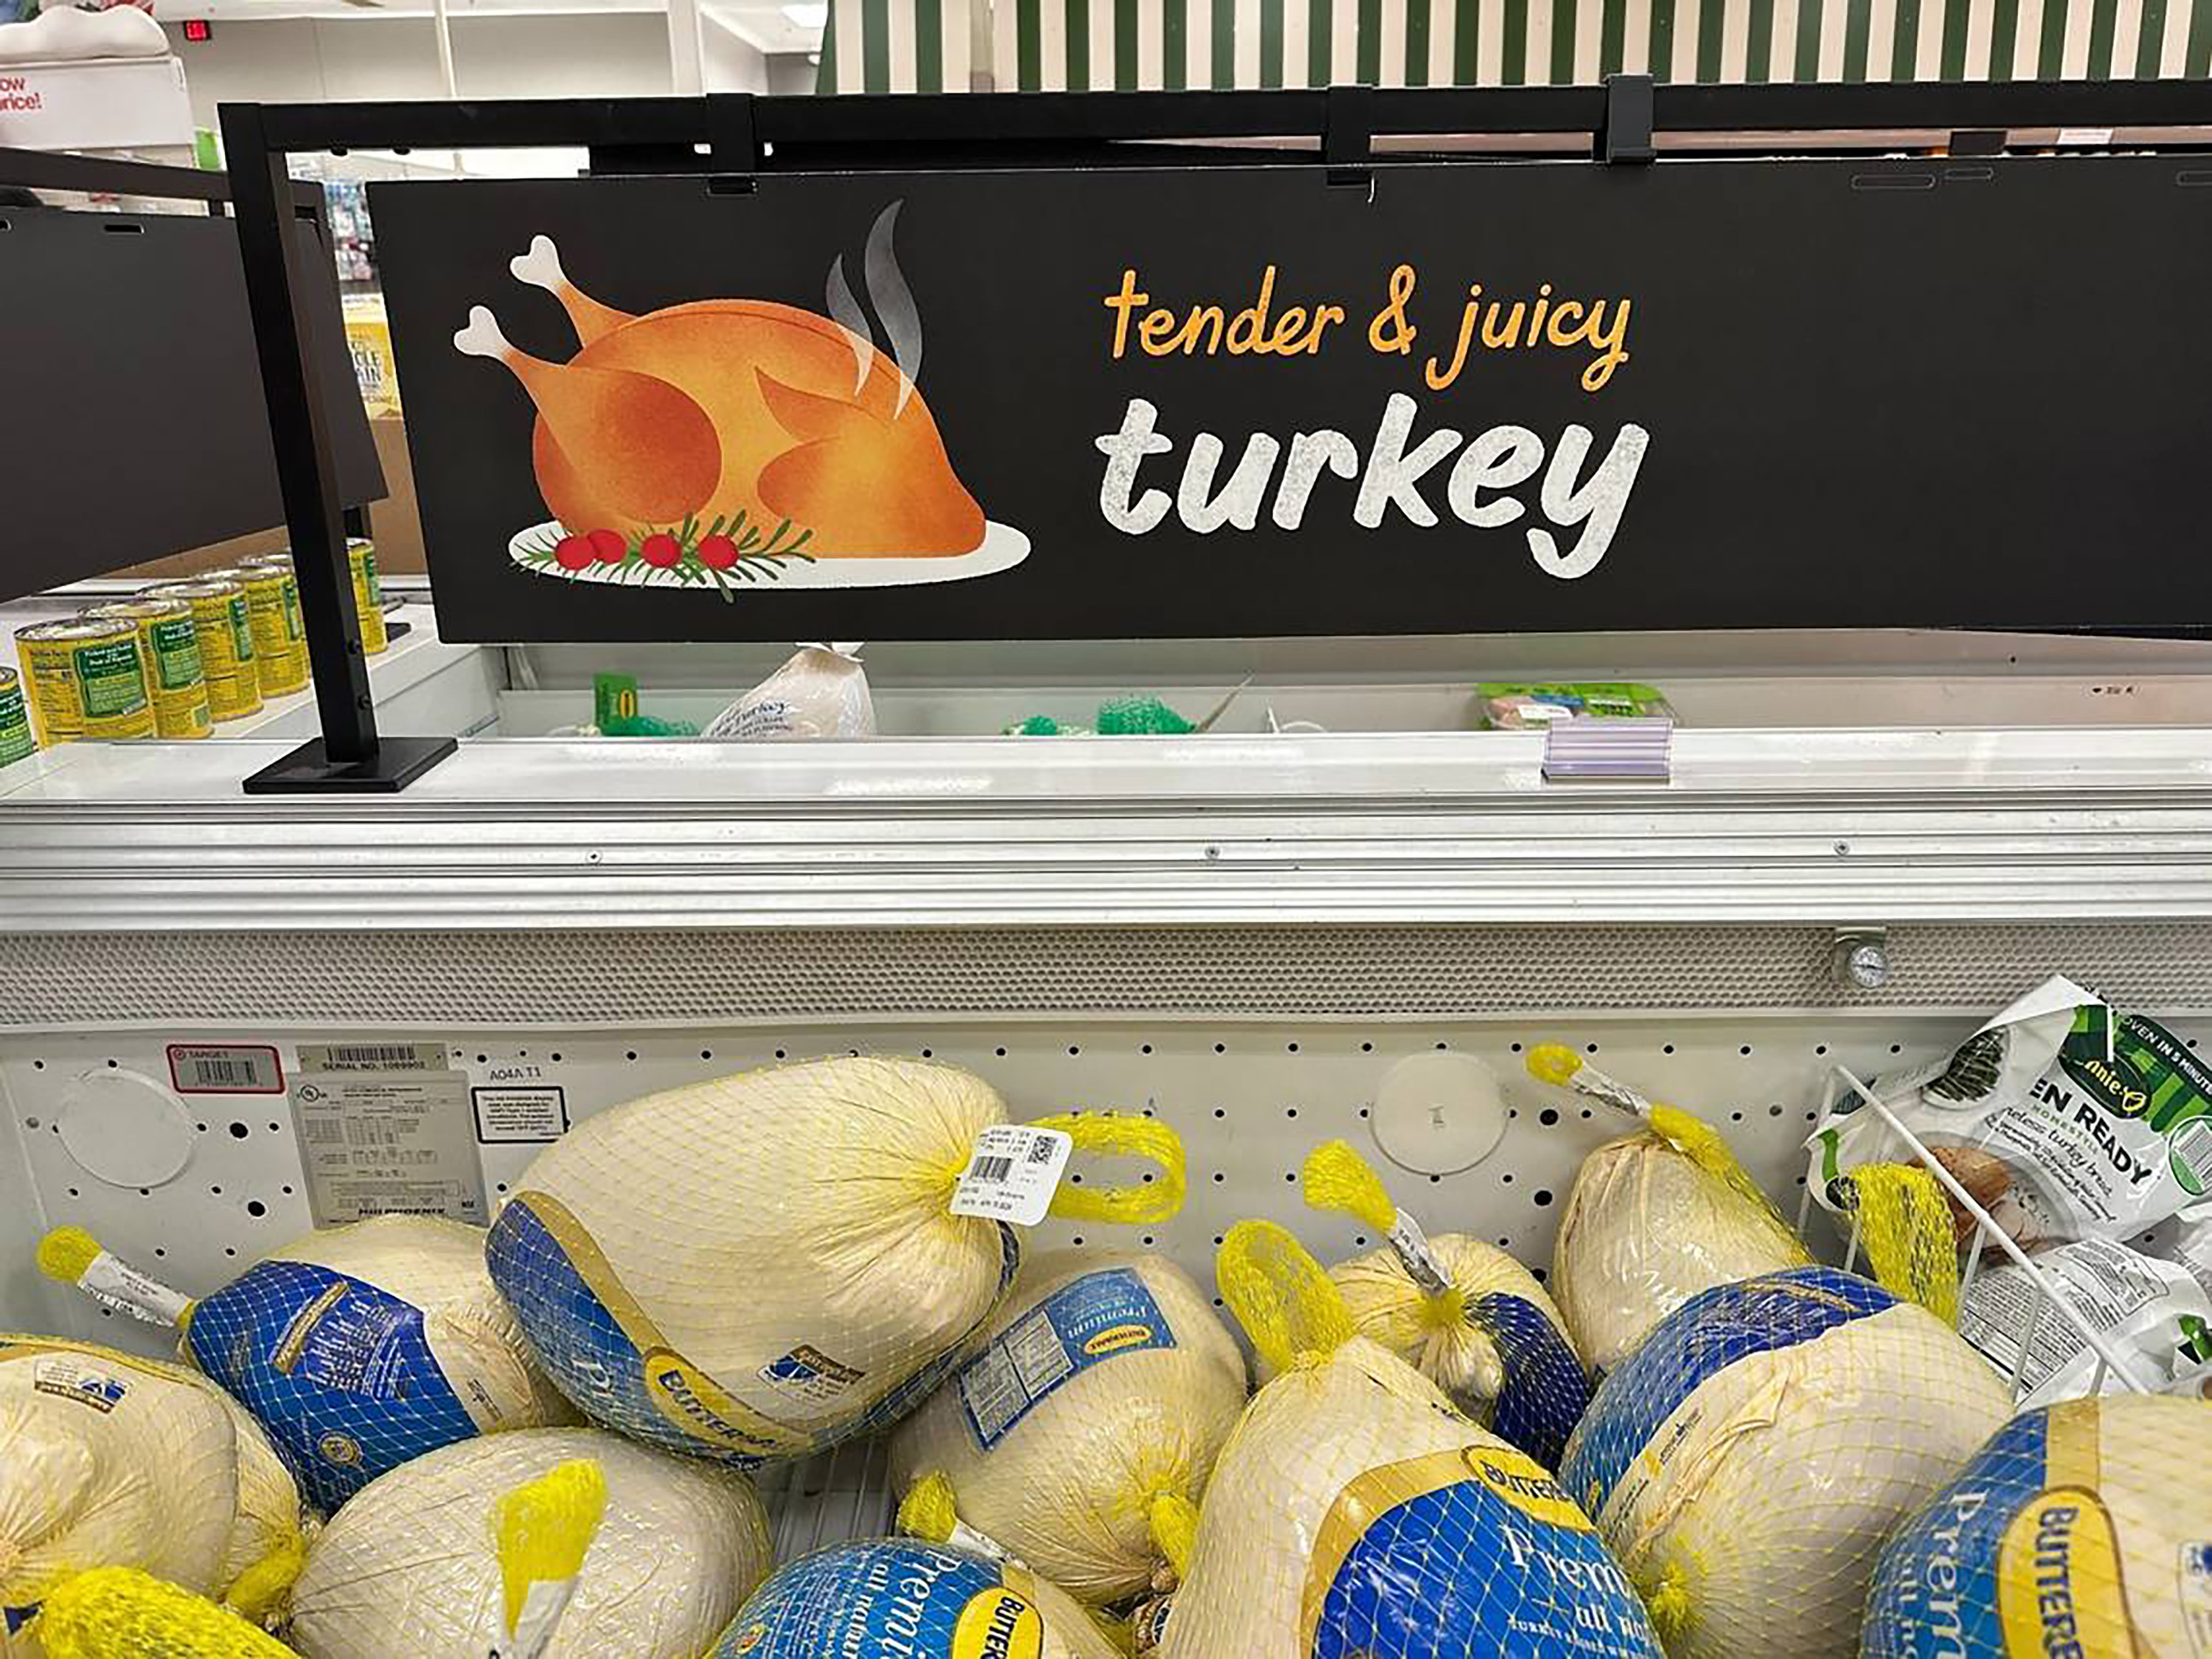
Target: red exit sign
[(199, 28)]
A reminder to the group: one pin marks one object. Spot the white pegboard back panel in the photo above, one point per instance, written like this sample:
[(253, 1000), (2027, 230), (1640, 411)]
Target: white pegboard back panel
[(1251, 1099), (673, 978)]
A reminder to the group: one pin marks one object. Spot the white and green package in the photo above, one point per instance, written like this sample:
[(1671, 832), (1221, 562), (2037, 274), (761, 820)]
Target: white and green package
[(2151, 1313), (2062, 1117)]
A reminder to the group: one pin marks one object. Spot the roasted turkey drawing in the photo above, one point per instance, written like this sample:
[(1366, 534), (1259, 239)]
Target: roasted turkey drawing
[(720, 427)]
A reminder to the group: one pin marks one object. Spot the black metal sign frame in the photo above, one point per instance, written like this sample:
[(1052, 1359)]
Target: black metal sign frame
[(735, 137)]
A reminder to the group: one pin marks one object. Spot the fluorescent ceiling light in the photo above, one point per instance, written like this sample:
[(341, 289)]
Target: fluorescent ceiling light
[(807, 16)]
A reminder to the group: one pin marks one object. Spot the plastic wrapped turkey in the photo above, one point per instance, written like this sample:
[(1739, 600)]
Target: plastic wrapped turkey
[(758, 1266), (356, 1347), (1464, 1314), (2082, 1528), (1087, 1423), (111, 1461), (912, 1600), (1355, 1514), (412, 1566), (1747, 1461), (1652, 1219)]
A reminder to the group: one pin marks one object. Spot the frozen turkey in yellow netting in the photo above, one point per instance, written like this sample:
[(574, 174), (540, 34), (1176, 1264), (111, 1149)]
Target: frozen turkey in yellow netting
[(1464, 1314), (759, 1267), (2083, 1529), (1355, 1514), (1747, 1461), (357, 1347), (1653, 1218), (107, 1459), (1094, 1410), (898, 1596), (411, 1567)]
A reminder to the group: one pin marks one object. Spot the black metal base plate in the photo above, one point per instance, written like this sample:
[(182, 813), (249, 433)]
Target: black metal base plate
[(308, 771)]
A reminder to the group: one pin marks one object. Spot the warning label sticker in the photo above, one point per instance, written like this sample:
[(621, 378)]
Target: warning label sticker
[(395, 1141), (506, 1115)]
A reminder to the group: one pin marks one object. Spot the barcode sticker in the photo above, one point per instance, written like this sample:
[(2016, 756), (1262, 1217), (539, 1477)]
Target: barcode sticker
[(225, 1069), (2192, 1151), (1013, 1174)]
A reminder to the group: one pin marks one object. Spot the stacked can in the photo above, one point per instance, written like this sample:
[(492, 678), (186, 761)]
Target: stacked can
[(225, 628), (169, 650), (367, 596), (84, 679), (272, 601), (17, 742)]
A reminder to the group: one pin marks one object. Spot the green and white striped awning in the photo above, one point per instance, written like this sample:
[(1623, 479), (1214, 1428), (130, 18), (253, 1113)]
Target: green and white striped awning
[(906, 45)]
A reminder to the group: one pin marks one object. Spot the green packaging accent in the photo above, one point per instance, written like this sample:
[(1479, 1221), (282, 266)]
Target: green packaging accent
[(177, 654), (17, 742), (241, 628), (614, 700), (110, 679)]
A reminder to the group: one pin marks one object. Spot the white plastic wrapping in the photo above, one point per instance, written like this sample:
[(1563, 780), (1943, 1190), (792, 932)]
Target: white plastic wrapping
[(409, 1566), (821, 692)]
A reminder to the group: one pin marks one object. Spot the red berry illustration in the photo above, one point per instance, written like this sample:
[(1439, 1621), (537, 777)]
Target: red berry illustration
[(717, 552), (574, 553), (608, 546), (659, 550)]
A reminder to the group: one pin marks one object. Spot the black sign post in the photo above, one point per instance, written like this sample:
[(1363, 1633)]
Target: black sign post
[(1012, 367)]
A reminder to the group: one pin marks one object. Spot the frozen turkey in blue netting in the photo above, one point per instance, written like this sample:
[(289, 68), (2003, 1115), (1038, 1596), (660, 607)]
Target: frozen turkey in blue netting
[(1747, 1461), (895, 1596), (2083, 1529), (360, 1348)]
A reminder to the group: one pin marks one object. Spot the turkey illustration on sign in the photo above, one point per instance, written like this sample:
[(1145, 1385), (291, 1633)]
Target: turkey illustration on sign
[(727, 444)]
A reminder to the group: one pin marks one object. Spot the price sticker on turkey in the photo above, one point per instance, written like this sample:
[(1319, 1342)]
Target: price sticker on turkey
[(1013, 1174)]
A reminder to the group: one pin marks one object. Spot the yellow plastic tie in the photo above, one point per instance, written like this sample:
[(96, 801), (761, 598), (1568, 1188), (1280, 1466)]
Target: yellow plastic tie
[(1287, 1305), (1905, 1224), (121, 1613), (1173, 1520), (66, 1252), (928, 1511), (1336, 1177), (256, 1591), (1553, 1063), (546, 1528), (1114, 1135), (1668, 1603)]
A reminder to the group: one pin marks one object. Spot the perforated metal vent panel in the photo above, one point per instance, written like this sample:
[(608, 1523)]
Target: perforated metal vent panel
[(662, 978)]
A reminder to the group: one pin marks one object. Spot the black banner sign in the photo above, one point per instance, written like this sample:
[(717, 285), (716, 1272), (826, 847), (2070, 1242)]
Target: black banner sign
[(1485, 397)]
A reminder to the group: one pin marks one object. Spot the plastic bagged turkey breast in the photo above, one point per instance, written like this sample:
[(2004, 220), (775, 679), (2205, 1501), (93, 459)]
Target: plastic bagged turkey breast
[(1652, 1219), (759, 1267), (1355, 1514), (411, 1566), (1102, 1393), (357, 1347), (1747, 1461), (2084, 1530), (1464, 1314), (898, 1597), (107, 1459)]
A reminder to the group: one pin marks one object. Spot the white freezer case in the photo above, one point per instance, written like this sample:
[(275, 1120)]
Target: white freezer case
[(1241, 934)]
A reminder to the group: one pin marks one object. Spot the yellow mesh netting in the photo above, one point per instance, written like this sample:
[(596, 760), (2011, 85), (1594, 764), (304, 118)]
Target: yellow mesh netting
[(259, 1590), (545, 1526), (1336, 1177), (927, 1512), (1116, 1136), (1704, 1146), (1905, 1225), (1174, 1521), (66, 1252), (1289, 1307), (119, 1612)]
